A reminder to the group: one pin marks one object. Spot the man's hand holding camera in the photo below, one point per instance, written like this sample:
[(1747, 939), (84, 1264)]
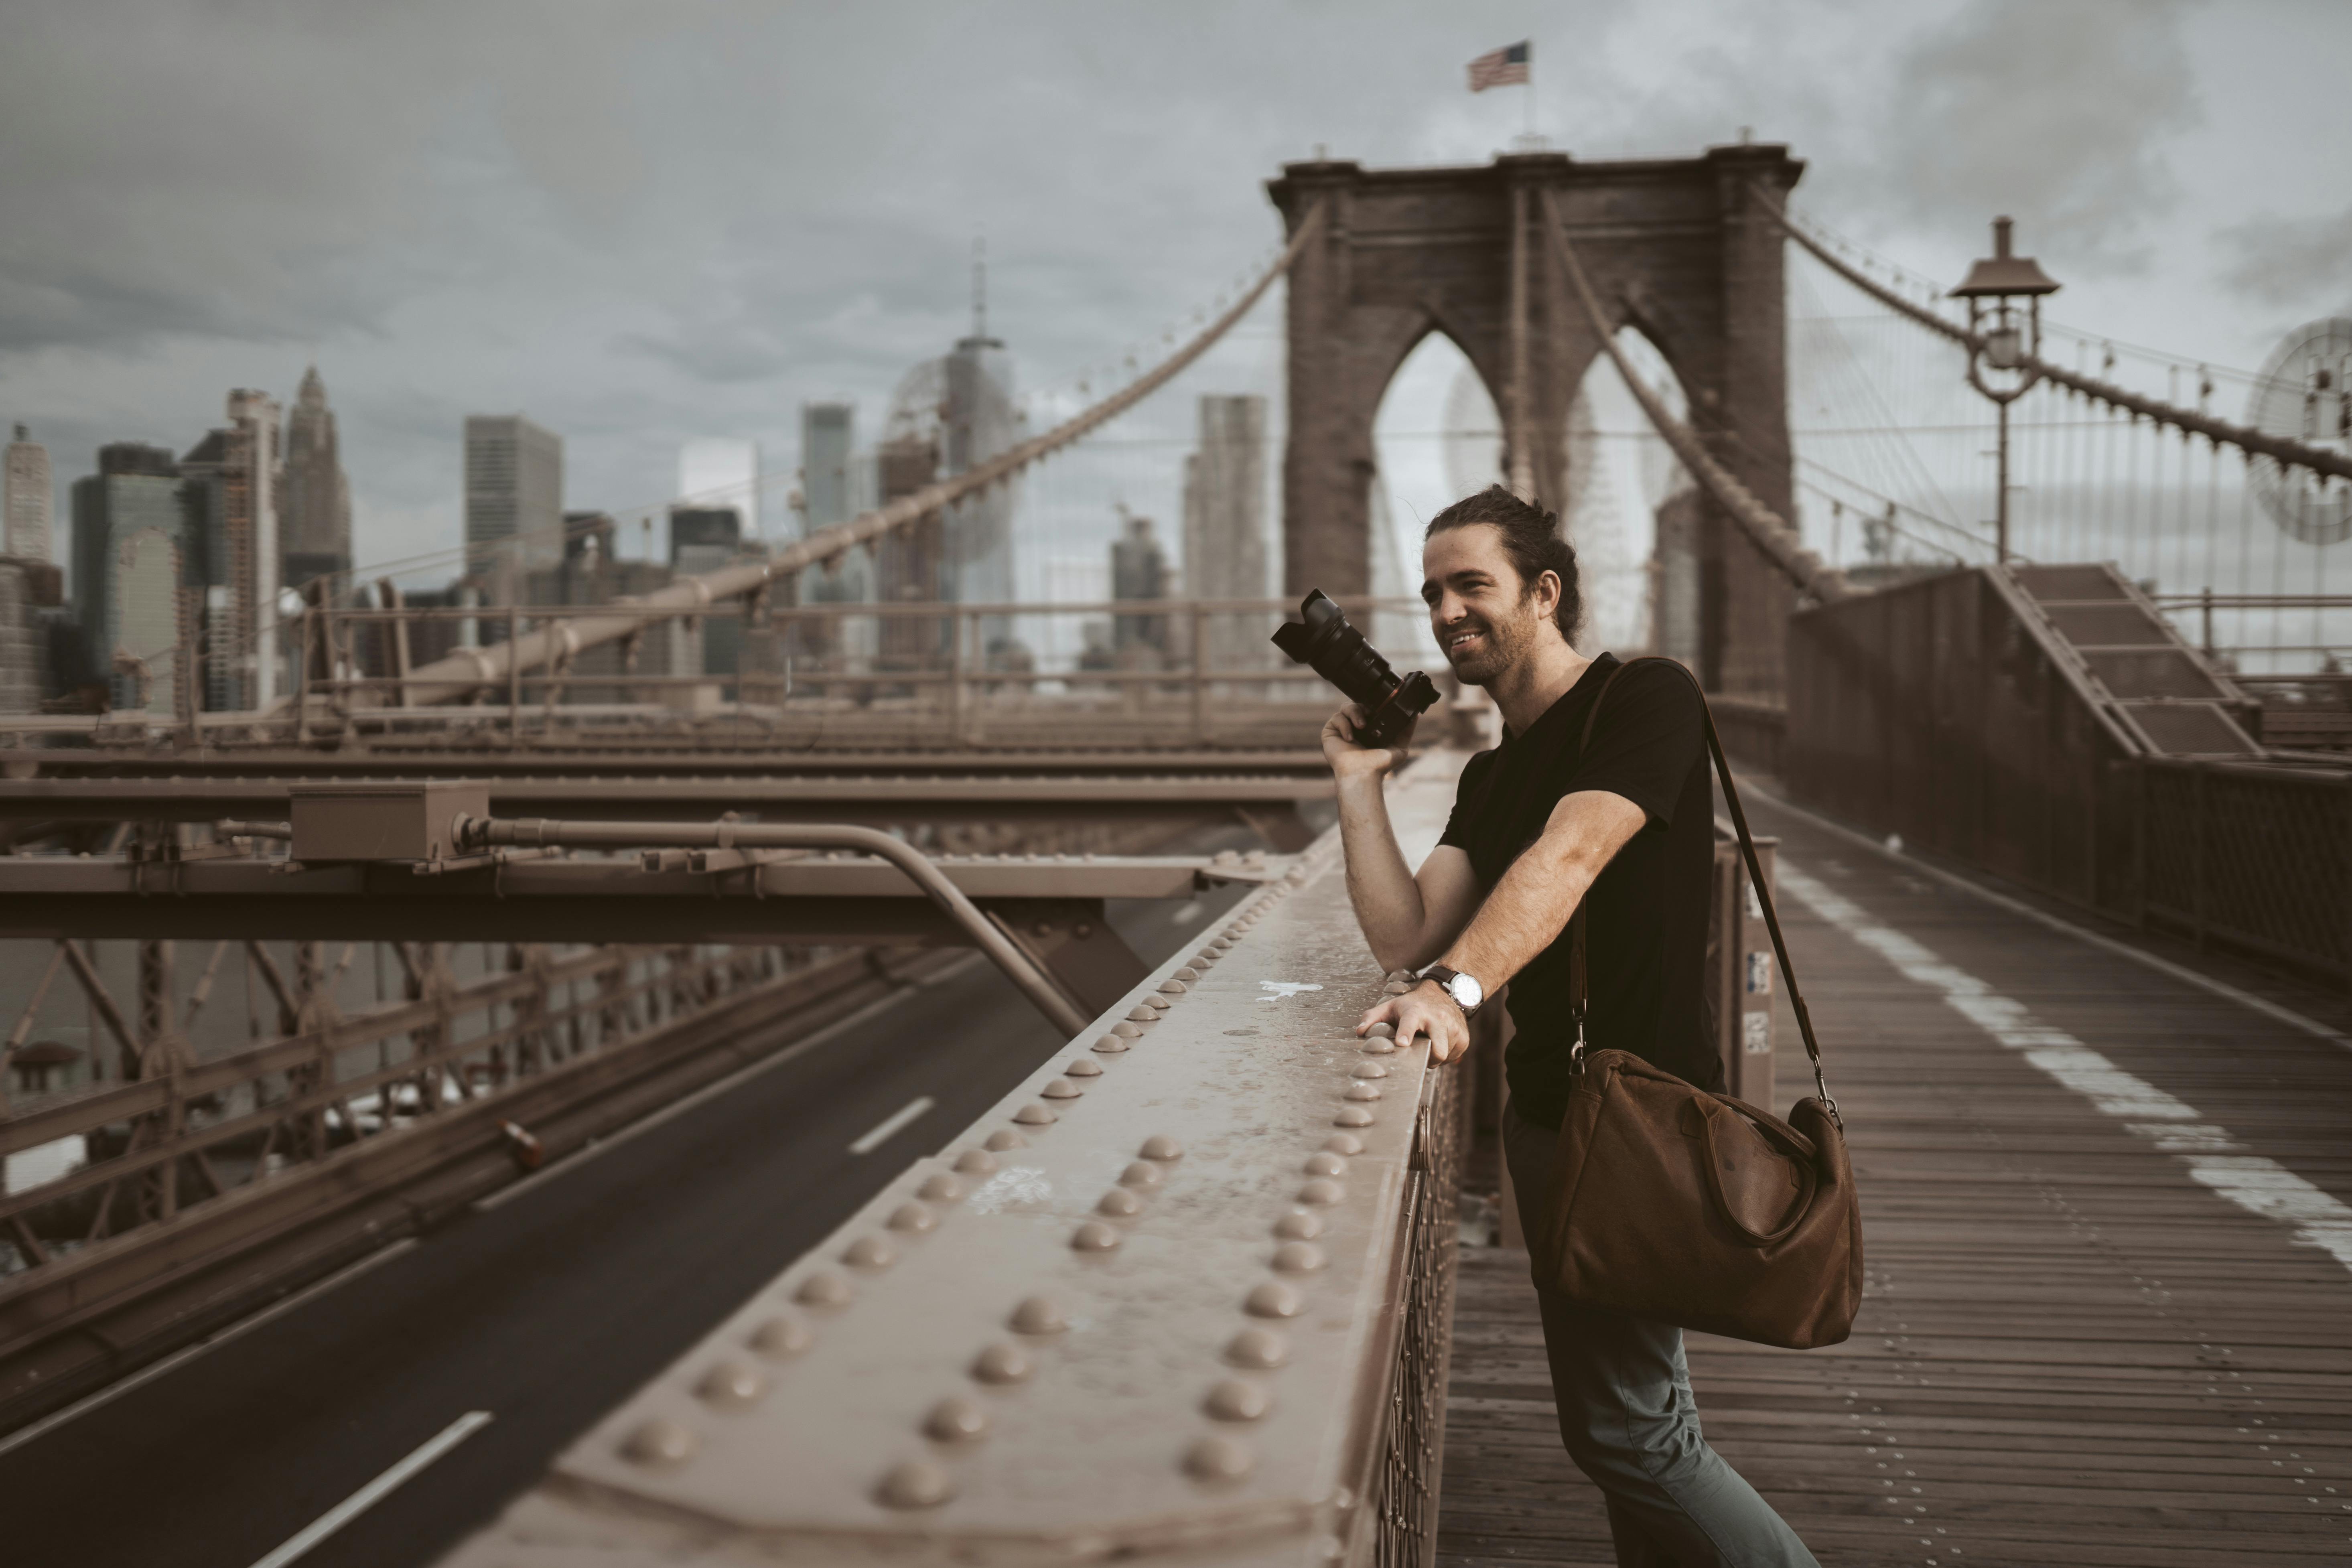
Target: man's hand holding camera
[(1349, 757)]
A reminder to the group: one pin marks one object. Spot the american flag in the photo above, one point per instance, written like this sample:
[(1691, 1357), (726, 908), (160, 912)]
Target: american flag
[(1502, 67)]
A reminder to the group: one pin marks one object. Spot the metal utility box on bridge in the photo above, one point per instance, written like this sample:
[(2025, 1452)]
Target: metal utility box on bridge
[(386, 820), (1684, 250)]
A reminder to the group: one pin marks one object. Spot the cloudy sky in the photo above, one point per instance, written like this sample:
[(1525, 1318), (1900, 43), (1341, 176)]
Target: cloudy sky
[(644, 222)]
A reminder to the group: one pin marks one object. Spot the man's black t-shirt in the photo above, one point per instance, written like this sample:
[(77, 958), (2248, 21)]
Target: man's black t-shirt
[(1645, 925)]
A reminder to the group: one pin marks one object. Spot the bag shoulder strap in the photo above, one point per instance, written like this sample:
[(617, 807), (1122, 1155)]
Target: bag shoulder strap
[(1575, 969)]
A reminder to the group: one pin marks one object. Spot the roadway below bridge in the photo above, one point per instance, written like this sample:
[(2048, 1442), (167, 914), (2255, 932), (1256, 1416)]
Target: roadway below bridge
[(544, 1306)]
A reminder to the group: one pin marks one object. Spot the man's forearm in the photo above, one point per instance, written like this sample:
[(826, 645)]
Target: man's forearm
[(1381, 886), (1531, 904)]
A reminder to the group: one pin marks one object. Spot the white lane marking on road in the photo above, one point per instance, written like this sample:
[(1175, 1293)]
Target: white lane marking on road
[(368, 1496), (677, 1108), (884, 1131), (2180, 971), (146, 1374), (2254, 1183)]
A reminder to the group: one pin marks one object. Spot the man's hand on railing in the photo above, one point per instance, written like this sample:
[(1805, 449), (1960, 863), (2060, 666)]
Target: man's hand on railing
[(1425, 1009)]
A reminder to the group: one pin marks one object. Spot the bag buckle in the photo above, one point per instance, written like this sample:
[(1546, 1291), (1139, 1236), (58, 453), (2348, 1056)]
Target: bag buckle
[(1576, 1052)]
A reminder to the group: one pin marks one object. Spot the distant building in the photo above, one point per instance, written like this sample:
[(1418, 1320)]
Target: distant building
[(133, 553), (1675, 578), (231, 482), (1139, 571), (980, 422), (828, 439), (25, 500), (1224, 528), (30, 594), (315, 532), (717, 472), (514, 495), (911, 564)]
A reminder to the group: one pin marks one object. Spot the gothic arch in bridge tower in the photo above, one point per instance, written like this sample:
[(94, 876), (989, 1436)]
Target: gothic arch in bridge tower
[(1680, 249)]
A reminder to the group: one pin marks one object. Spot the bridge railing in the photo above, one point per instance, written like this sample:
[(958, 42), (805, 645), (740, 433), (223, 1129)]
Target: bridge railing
[(2257, 859)]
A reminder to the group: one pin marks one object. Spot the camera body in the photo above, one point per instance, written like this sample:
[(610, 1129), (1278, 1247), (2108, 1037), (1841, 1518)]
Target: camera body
[(1322, 639)]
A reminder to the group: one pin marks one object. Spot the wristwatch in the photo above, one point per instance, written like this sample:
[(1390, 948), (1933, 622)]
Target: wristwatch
[(1466, 992)]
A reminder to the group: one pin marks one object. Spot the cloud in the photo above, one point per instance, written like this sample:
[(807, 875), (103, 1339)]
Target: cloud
[(2056, 113), (2291, 261)]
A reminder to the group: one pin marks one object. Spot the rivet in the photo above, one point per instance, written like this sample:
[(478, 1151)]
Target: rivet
[(1234, 1400), (1127, 1030), (1299, 1224), (1038, 1116), (1157, 1005), (823, 1288), (1093, 1237), (1322, 1190), (1344, 1143), (1001, 1362), (1257, 1349), (1382, 1031), (1326, 1164), (1218, 1460), (915, 1484), (1187, 975), (1110, 1045), (913, 1219), (1140, 1175), (1299, 1257), (1371, 1069), (1271, 1300), (1204, 958), (1081, 1067), (1395, 988), (730, 1385), (1355, 1091), (1173, 987), (1352, 1116), (1222, 943), (781, 1339), (1004, 1140), (869, 1252), (1037, 1315), (1120, 1204), (956, 1420), (1142, 1014), (942, 1188), (1060, 1088), (660, 1442), (1379, 1048), (1162, 1148)]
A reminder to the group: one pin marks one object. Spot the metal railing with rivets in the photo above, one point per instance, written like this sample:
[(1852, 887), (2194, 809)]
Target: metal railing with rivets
[(1186, 1289)]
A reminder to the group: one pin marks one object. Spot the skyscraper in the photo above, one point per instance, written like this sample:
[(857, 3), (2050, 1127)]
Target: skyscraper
[(317, 528), (27, 499), (229, 491), (828, 436), (132, 556), (719, 472), (1224, 527), (979, 423), (514, 491)]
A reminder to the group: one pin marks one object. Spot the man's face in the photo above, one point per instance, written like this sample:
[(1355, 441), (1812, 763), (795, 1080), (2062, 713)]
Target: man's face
[(1486, 619)]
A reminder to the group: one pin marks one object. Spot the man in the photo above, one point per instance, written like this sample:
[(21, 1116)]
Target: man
[(1539, 824)]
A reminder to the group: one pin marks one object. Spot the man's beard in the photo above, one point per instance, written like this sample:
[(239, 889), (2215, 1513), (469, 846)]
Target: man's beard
[(1497, 647)]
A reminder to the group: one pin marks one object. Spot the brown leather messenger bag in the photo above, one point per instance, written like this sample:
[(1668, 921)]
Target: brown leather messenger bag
[(1687, 1208)]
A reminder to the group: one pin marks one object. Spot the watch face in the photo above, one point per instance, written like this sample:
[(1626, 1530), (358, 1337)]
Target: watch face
[(1465, 991)]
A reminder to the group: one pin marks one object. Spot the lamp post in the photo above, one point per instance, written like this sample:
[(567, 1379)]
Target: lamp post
[(2004, 295)]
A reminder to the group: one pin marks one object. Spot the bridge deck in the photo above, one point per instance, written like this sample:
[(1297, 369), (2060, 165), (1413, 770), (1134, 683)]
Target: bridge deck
[(2109, 1310)]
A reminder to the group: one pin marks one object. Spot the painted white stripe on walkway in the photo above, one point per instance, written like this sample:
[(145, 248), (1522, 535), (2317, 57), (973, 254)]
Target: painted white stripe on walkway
[(890, 1129), (368, 1496), (2256, 1184)]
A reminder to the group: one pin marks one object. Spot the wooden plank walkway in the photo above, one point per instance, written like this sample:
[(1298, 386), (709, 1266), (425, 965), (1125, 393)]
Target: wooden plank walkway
[(2074, 1348)]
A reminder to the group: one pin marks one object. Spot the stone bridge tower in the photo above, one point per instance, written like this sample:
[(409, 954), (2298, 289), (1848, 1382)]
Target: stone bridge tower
[(1679, 248)]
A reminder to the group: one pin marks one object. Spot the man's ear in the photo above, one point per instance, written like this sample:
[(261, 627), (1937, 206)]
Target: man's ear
[(1548, 592)]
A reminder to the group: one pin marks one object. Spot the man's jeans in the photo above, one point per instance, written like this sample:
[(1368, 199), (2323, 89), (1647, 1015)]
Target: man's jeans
[(1629, 1423)]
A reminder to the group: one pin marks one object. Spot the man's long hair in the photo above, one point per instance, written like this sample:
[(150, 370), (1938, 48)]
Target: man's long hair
[(1531, 539)]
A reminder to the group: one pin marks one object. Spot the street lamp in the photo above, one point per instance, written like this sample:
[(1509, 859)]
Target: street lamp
[(2004, 295)]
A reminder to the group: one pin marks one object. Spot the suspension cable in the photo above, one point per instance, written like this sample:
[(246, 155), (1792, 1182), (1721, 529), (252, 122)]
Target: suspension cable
[(2278, 448), (1781, 543)]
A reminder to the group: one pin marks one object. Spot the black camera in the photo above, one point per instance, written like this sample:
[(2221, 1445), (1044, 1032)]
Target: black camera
[(1338, 653)]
